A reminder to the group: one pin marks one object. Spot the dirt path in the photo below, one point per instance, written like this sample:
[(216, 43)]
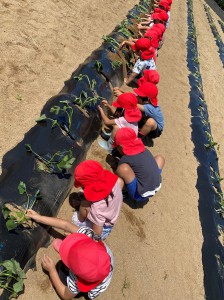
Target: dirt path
[(157, 248)]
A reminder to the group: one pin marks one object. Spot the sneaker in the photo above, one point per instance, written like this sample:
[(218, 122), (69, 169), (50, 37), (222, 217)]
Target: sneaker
[(105, 135)]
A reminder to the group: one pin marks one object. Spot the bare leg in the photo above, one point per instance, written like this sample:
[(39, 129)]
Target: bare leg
[(126, 173), (160, 161), (149, 125), (121, 182)]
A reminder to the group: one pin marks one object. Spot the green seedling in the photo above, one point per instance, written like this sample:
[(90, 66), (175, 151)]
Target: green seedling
[(14, 215), (83, 100), (110, 41), (123, 28), (196, 60), (19, 97), (11, 277), (116, 64), (67, 109), (92, 83), (142, 8), (99, 66), (56, 163), (211, 143), (135, 17)]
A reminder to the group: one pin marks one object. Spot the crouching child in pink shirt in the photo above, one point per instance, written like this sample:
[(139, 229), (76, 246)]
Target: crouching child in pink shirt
[(101, 204)]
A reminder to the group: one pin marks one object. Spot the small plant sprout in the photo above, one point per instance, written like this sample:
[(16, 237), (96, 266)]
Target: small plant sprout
[(92, 83), (196, 60), (11, 277), (142, 8), (99, 66), (57, 163), (67, 110), (210, 140), (135, 16), (123, 28), (116, 64), (14, 215), (110, 41), (19, 97), (83, 100)]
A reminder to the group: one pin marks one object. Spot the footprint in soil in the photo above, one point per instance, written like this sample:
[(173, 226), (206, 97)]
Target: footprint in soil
[(136, 223)]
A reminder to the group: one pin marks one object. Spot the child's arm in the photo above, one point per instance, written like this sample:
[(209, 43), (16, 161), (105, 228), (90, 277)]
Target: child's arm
[(111, 107), (130, 78), (141, 107), (54, 222), (105, 119), (84, 210), (62, 290), (129, 43)]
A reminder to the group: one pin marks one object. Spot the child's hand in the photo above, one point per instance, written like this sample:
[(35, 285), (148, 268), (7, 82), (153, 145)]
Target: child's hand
[(122, 44), (105, 102), (33, 215), (47, 263), (125, 80), (117, 92), (100, 109)]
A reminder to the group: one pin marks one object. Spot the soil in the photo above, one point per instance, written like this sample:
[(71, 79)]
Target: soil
[(157, 248)]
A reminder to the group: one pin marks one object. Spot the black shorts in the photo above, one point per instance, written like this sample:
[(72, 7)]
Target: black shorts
[(155, 133)]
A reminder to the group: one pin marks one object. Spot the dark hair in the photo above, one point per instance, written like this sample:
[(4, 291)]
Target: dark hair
[(119, 112)]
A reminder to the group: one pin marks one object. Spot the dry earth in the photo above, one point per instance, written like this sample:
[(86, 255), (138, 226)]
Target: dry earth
[(157, 248)]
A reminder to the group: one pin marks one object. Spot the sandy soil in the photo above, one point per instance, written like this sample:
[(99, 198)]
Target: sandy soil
[(157, 248)]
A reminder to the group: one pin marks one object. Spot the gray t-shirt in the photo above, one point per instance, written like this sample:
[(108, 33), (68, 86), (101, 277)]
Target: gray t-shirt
[(146, 170)]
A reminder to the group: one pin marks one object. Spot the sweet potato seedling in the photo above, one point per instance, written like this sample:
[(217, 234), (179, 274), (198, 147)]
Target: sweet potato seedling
[(92, 83), (15, 215), (99, 66), (59, 162), (116, 64), (111, 41), (11, 277)]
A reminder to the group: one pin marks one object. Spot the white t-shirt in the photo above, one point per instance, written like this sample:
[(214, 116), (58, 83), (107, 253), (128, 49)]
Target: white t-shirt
[(142, 65), (122, 122), (72, 278)]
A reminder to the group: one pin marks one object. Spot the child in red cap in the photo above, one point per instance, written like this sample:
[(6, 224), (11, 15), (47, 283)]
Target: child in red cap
[(152, 122), (148, 76), (140, 171), (130, 118), (146, 59), (87, 263), (102, 191)]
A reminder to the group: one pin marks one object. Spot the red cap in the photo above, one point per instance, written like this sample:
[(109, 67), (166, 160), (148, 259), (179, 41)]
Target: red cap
[(148, 90), (165, 4), (153, 36), (141, 44), (128, 140), (86, 258), (162, 16), (161, 26), (144, 45), (129, 101), (149, 76), (158, 31), (96, 182)]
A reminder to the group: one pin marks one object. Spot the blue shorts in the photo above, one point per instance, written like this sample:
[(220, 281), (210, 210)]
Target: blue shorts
[(132, 189)]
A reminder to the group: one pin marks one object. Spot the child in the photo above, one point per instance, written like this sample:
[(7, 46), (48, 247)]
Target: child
[(102, 200), (140, 171), (132, 114), (152, 122), (148, 76), (87, 263), (146, 60)]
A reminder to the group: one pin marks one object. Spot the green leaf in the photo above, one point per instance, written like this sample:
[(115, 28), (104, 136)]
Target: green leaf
[(20, 214), (41, 118), (65, 101), (65, 158), (18, 286), (55, 110), (22, 187), (14, 295), (5, 211), (10, 224), (54, 123)]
